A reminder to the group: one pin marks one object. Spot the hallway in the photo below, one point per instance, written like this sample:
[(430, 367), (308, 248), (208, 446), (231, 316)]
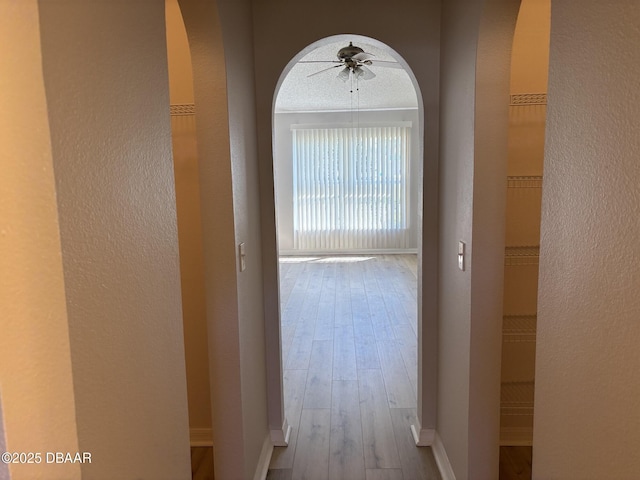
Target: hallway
[(350, 377)]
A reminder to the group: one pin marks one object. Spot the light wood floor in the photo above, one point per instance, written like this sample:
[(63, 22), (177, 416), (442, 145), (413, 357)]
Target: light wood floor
[(350, 376)]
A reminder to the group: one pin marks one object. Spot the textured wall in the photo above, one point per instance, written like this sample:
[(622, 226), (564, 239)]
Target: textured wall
[(586, 423), (35, 364), (107, 89), (4, 467)]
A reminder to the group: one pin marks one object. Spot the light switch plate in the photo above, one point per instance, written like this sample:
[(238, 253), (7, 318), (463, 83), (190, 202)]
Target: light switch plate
[(242, 255)]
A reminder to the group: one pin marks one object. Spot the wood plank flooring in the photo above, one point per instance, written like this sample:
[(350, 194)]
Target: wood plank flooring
[(350, 369), (350, 377)]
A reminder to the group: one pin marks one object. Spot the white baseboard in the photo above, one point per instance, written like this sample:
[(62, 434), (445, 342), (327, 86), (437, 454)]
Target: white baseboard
[(265, 458), (280, 438), (442, 460), (423, 437), (201, 437), (516, 436)]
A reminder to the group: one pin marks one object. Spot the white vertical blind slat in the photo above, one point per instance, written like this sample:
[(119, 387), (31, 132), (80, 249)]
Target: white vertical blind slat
[(350, 187)]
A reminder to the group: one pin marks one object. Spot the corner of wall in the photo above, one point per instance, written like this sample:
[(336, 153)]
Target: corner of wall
[(4, 467)]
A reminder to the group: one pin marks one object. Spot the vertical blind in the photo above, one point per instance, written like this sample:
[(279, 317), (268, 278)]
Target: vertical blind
[(350, 187)]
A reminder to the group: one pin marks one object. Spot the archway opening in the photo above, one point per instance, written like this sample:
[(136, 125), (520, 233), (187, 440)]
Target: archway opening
[(347, 152)]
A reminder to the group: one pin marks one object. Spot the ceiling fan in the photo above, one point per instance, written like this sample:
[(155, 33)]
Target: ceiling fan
[(353, 60)]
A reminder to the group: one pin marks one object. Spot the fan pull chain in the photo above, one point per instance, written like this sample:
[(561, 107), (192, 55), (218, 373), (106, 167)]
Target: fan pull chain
[(357, 81), (351, 77), (358, 101), (351, 97)]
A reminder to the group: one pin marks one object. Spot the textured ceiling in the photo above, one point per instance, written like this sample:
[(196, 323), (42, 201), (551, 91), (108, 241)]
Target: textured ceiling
[(391, 87)]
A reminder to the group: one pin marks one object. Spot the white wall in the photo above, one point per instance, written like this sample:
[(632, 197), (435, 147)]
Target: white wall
[(105, 71), (459, 42), (36, 384), (236, 24), (476, 49), (223, 79), (587, 389), (283, 162)]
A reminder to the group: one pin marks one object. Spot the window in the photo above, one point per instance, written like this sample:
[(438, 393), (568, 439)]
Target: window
[(350, 187)]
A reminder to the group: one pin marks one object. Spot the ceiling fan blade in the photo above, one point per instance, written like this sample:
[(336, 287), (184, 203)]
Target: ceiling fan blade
[(319, 61), (384, 63), (361, 57), (323, 70)]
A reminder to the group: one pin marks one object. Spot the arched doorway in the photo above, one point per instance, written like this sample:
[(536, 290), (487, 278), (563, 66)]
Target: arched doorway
[(329, 123), (318, 126)]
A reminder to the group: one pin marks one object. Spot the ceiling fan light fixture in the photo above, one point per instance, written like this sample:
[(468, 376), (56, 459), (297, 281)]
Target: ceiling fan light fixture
[(344, 74), (366, 74), (353, 59)]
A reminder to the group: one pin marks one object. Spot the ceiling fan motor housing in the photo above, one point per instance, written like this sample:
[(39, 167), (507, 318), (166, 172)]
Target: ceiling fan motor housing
[(346, 53)]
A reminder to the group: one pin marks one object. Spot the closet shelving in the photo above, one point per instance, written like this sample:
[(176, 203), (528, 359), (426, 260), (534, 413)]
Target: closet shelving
[(521, 260)]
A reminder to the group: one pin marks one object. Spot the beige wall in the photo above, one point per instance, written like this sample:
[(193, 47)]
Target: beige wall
[(587, 389), (178, 56), (530, 60), (529, 69), (36, 385), (185, 158), (107, 95)]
